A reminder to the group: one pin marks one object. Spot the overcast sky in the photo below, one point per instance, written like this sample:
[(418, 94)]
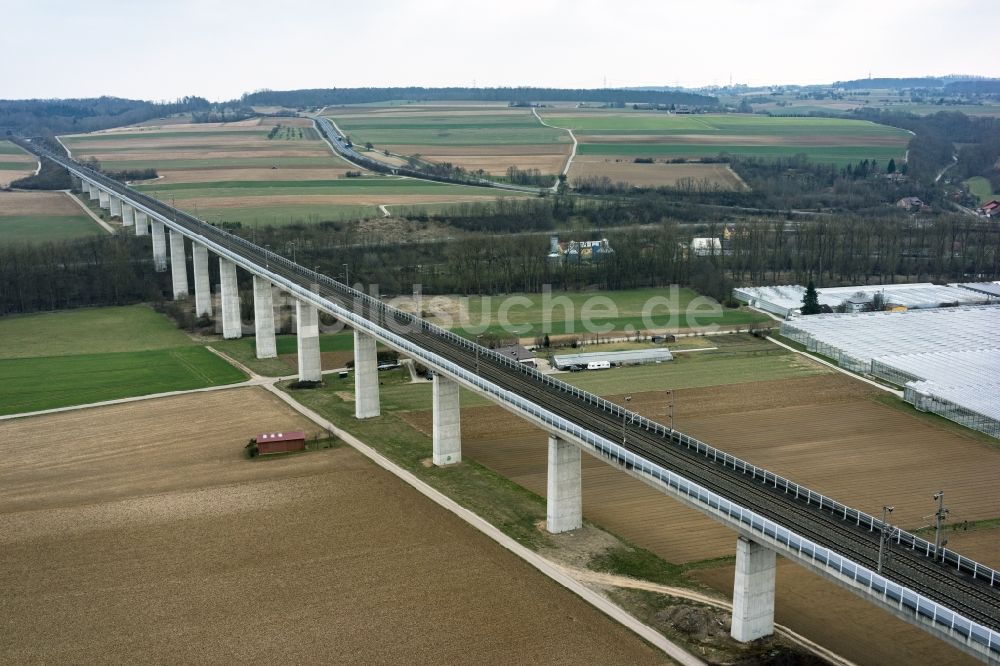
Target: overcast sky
[(221, 48)]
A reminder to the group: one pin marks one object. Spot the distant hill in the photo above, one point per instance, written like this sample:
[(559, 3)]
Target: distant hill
[(59, 116), (334, 96), (891, 83), (977, 87)]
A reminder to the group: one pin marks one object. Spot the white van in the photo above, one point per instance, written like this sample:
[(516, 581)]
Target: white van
[(598, 365)]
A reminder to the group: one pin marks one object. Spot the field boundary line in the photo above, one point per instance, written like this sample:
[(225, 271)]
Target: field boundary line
[(898, 394), (603, 604), (607, 579), (569, 161), (135, 398), (104, 225)]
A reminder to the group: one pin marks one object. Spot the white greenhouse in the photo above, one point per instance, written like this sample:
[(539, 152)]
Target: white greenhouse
[(946, 359)]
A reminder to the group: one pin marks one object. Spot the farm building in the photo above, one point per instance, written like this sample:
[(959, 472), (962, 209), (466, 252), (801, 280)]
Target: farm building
[(518, 352), (281, 442), (787, 299), (704, 247), (614, 358), (577, 251), (947, 359)]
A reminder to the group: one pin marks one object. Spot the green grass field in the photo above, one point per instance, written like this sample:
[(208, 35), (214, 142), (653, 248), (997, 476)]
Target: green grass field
[(244, 350), (840, 155), (81, 356), (88, 331), (42, 228), (981, 189), (831, 140), (696, 369), (559, 313), (32, 384), (432, 129), (8, 148), (374, 186)]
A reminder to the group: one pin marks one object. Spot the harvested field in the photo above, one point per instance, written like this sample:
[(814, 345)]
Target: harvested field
[(14, 204), (827, 432), (373, 199), (624, 169), (33, 217), (982, 544), (175, 548), (824, 431), (223, 175)]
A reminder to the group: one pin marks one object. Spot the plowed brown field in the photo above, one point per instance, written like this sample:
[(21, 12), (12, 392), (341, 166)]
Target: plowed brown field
[(659, 174), (137, 533), (827, 432)]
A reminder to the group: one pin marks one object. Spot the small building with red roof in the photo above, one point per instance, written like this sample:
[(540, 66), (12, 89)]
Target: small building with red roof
[(281, 442)]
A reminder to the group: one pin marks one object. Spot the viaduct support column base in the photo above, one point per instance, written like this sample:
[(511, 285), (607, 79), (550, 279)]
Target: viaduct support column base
[(307, 325), (753, 591), (159, 246), (128, 215), (564, 490), (263, 318), (232, 326), (366, 402), (447, 422), (93, 192), (103, 200), (116, 206), (178, 265), (202, 285)]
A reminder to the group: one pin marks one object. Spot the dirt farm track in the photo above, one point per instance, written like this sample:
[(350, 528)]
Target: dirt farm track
[(155, 541)]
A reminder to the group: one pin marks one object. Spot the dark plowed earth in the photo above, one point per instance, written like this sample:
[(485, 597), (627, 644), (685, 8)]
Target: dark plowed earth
[(972, 598)]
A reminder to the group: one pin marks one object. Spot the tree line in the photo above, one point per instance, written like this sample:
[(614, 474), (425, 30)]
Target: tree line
[(315, 97), (31, 117)]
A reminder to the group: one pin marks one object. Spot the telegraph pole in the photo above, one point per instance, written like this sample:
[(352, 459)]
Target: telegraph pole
[(628, 398), (939, 517), (886, 510)]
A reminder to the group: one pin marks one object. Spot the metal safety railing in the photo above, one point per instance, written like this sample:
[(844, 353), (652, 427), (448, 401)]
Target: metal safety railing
[(389, 319)]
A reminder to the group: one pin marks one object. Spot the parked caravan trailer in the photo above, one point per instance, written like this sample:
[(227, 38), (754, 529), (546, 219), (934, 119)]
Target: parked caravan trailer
[(598, 365)]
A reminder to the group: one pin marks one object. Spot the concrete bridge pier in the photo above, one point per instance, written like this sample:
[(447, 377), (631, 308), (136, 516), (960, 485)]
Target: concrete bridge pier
[(116, 206), (128, 215), (263, 319), (103, 199), (753, 591), (159, 246), (141, 223), (307, 327), (76, 183), (564, 489), (232, 326), (202, 284), (94, 192), (178, 265), (366, 402), (447, 422)]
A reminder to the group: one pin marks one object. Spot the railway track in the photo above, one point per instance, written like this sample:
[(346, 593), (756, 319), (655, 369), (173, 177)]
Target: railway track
[(972, 598)]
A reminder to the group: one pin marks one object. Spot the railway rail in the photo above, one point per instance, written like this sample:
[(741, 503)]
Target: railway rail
[(957, 583)]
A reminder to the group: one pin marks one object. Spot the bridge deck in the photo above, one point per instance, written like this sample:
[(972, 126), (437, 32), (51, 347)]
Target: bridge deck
[(969, 596)]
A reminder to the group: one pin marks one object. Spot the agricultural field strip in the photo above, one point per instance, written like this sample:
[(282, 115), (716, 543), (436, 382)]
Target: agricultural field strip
[(814, 523), (832, 140), (542, 564)]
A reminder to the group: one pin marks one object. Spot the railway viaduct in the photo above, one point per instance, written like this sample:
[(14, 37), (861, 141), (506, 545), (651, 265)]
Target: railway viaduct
[(950, 596)]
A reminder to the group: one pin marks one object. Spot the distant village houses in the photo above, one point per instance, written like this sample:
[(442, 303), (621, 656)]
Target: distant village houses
[(578, 251), (990, 209), (911, 203)]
